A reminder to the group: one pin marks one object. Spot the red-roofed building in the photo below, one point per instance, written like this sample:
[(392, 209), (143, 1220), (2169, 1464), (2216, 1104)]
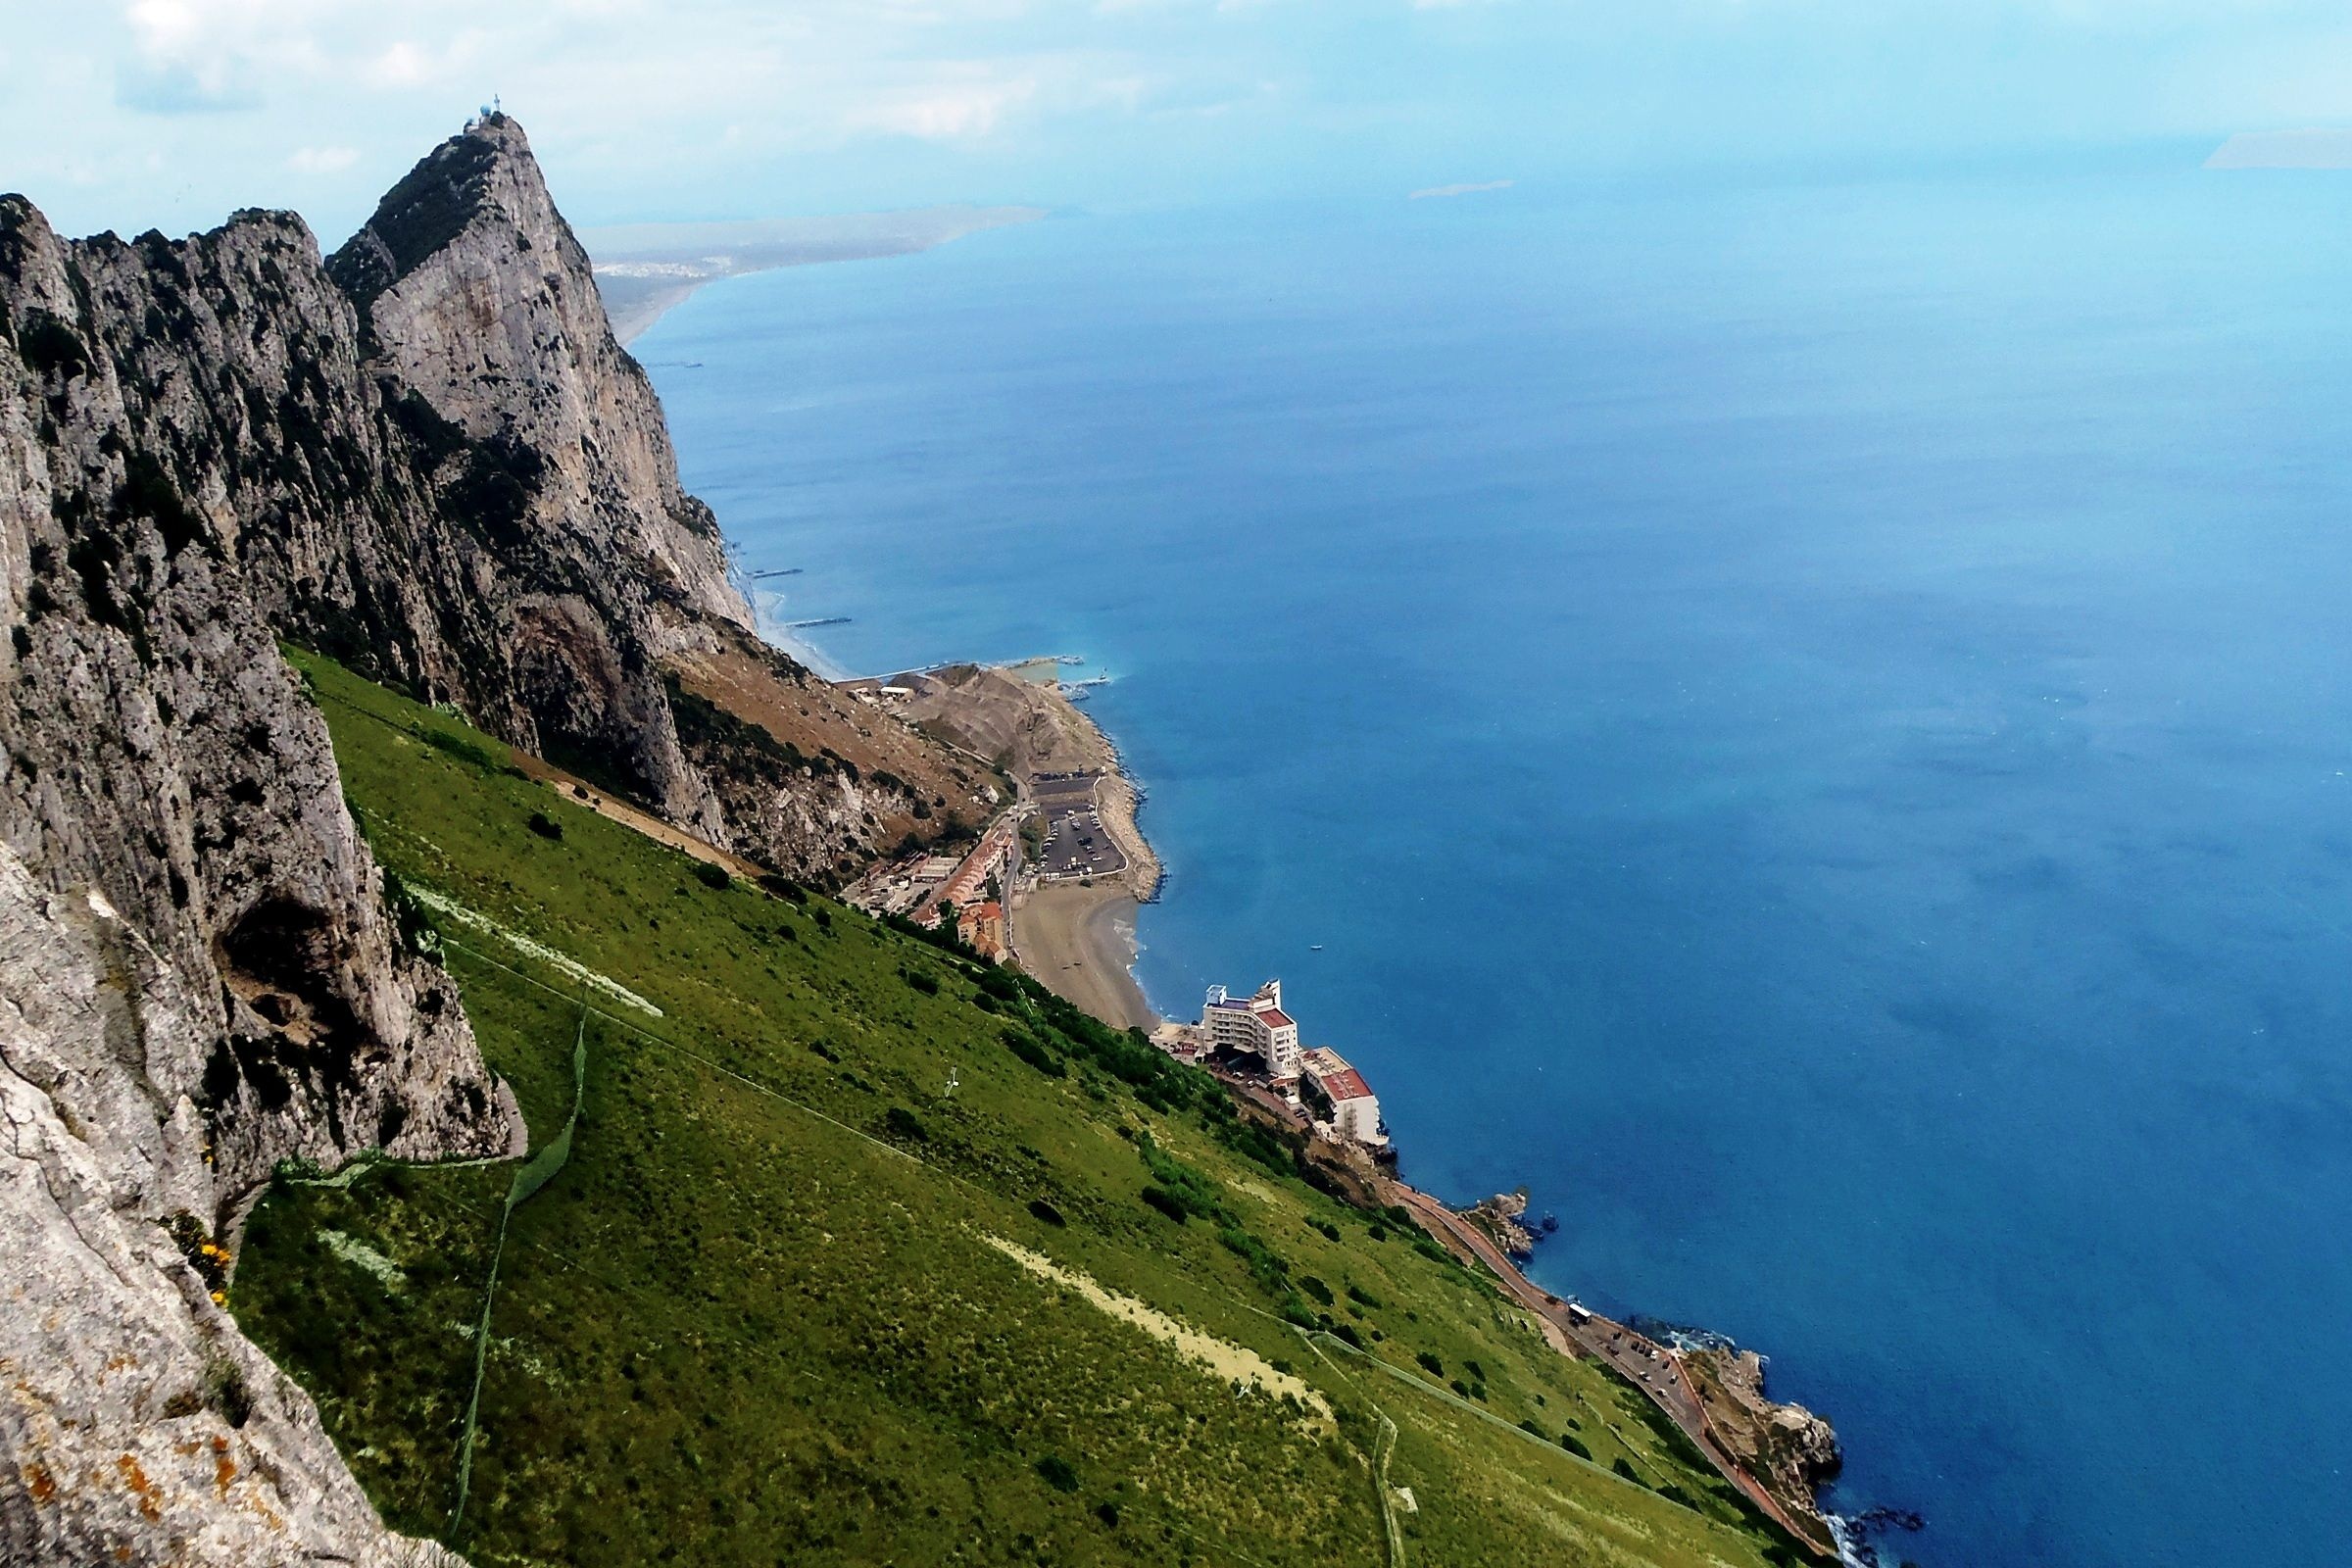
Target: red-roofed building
[(1354, 1110), (982, 927), (991, 861)]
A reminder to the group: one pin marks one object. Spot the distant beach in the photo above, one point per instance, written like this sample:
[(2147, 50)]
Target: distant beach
[(645, 270), (1073, 917)]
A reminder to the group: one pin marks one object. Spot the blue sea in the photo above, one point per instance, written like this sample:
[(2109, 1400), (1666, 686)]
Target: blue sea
[(1810, 721)]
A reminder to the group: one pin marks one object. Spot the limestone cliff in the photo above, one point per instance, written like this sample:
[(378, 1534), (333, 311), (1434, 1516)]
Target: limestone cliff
[(197, 975), (479, 310), (473, 289), (428, 459), (139, 1425)]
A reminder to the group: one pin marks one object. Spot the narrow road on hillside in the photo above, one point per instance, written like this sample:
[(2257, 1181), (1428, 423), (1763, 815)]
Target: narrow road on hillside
[(1640, 1361)]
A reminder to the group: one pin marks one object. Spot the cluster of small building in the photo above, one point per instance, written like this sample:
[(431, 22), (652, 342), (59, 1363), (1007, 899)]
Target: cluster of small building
[(972, 885), (1252, 1032), (1255, 1027)]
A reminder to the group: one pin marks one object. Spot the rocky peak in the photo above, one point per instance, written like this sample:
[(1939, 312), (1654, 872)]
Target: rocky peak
[(429, 458), (435, 202), (474, 292)]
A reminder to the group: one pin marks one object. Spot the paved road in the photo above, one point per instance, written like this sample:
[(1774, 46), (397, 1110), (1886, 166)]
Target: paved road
[(1640, 1361), (1643, 1363)]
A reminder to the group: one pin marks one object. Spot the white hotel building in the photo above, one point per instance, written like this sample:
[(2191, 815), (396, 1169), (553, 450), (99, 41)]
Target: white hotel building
[(1343, 1103), (1255, 1026)]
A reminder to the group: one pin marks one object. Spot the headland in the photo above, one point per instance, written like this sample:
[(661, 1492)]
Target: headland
[(1072, 875)]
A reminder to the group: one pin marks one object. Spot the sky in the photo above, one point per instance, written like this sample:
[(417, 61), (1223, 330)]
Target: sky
[(172, 112)]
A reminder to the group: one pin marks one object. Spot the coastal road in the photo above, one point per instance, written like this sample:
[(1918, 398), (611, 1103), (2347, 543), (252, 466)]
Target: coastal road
[(1647, 1365), (1640, 1361)]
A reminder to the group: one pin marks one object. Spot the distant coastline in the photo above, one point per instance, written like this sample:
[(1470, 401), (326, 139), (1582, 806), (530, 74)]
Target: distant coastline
[(645, 270), (1071, 914)]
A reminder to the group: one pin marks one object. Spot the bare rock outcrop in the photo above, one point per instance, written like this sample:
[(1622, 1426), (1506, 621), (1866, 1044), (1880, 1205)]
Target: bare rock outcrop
[(474, 291), (1501, 1217), (432, 461), (479, 317), (429, 458), (198, 976), (137, 1425), (1791, 1449)]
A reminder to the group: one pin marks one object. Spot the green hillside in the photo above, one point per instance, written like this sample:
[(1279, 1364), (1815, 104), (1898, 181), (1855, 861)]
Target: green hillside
[(862, 1252)]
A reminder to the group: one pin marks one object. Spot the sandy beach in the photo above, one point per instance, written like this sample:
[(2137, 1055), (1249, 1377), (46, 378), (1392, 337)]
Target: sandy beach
[(643, 269), (1077, 938), (1081, 942)]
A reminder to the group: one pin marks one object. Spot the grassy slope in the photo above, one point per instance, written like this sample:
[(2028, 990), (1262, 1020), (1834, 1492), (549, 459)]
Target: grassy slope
[(756, 1320)]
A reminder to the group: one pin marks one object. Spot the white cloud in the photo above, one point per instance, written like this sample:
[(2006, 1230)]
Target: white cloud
[(643, 106), (213, 55), (2317, 148), (403, 64), (322, 160), (947, 113)]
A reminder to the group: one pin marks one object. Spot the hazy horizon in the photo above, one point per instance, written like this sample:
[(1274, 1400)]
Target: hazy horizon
[(177, 112)]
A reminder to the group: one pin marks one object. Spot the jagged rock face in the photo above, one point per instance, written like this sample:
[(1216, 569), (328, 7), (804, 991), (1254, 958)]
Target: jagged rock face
[(480, 312), (479, 297), (1786, 1443), (160, 751), (198, 978), (434, 464), (431, 460), (137, 1425), (248, 423)]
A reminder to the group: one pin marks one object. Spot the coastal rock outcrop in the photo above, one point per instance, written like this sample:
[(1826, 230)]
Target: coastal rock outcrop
[(161, 754), (1502, 1218), (606, 584), (1792, 1449)]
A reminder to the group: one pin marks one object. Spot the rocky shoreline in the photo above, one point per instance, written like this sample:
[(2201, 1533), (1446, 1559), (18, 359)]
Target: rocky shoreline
[(1779, 1454)]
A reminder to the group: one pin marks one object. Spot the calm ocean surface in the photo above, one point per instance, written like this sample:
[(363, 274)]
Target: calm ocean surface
[(1812, 726)]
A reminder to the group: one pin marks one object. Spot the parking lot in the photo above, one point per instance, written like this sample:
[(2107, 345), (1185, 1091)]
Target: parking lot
[(1076, 845)]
